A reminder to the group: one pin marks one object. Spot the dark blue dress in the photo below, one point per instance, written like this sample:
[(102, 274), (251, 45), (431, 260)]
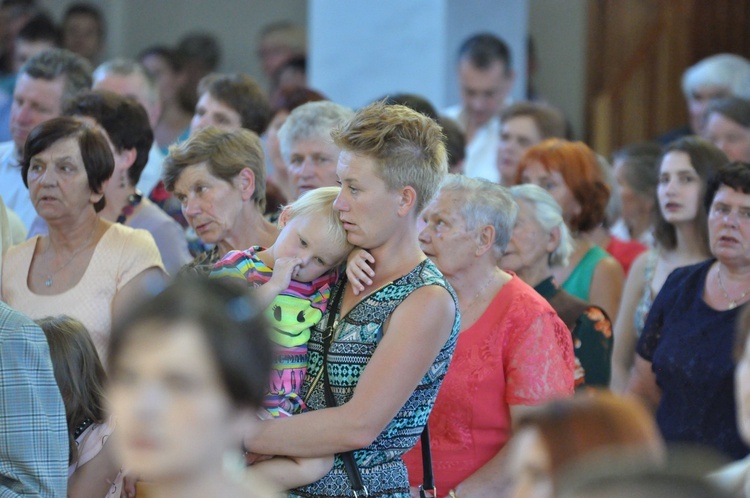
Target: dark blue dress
[(690, 347)]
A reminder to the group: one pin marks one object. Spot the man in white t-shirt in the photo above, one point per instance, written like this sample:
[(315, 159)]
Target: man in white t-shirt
[(486, 79)]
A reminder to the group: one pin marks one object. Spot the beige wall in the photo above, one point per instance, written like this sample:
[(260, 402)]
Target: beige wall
[(559, 31)]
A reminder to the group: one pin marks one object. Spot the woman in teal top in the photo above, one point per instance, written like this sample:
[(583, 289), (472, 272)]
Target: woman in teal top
[(570, 173), (540, 239)]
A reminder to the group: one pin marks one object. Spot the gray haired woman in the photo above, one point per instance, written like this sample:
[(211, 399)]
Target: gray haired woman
[(541, 240)]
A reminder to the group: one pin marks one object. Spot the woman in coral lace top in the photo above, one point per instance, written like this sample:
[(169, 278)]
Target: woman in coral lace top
[(512, 349)]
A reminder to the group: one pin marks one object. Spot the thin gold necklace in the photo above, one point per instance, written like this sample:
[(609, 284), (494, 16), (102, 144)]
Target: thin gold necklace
[(48, 282), (476, 296), (732, 302)]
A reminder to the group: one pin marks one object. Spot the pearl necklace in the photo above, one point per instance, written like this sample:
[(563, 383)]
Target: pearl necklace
[(48, 282), (732, 302)]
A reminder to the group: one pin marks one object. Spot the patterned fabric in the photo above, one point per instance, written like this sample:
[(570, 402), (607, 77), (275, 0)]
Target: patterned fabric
[(120, 255), (647, 298), (578, 282), (517, 353), (202, 264), (591, 329), (689, 345), (355, 338), (90, 443), (33, 431), (291, 315)]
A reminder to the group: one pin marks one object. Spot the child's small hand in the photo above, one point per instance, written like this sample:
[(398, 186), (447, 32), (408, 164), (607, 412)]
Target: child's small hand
[(284, 270), (358, 270)]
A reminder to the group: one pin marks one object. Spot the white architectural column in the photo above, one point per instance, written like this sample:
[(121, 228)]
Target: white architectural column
[(361, 50)]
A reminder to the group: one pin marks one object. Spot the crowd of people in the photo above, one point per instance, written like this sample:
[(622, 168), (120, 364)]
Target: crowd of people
[(211, 288)]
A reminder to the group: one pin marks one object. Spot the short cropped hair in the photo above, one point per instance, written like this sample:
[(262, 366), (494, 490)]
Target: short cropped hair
[(549, 121), (484, 203), (203, 47), (579, 168), (229, 321), (54, 63), (78, 372), (408, 147), (241, 93), (728, 71), (95, 152), (483, 49), (171, 56), (413, 101), (87, 9), (225, 152), (124, 120), (705, 158), (128, 67), (734, 175), (319, 203), (732, 108), (311, 121), (548, 214), (41, 27)]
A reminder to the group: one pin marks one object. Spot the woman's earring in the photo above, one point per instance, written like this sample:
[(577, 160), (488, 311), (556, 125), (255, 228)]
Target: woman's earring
[(122, 180)]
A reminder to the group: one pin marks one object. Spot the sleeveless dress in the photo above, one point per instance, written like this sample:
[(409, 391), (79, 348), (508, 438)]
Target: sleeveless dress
[(578, 282), (355, 338), (689, 345)]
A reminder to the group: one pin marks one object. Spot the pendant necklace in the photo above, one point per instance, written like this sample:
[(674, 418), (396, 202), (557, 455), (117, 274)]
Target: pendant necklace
[(732, 302), (48, 282)]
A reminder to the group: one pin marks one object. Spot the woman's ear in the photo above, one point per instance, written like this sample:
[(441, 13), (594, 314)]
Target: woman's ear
[(128, 157), (485, 239), (553, 240), (408, 200), (245, 182)]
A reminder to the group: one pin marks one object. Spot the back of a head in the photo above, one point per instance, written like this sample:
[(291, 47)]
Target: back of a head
[(728, 71), (201, 47), (407, 146), (56, 63), (640, 166), (124, 120), (549, 121), (455, 141), (602, 423), (289, 98), (241, 93), (41, 27), (484, 49), (412, 101)]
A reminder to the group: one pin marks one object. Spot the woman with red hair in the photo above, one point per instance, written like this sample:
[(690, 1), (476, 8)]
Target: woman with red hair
[(570, 173)]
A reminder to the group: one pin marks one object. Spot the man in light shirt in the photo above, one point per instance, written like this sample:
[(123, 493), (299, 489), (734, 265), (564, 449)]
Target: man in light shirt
[(486, 79)]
